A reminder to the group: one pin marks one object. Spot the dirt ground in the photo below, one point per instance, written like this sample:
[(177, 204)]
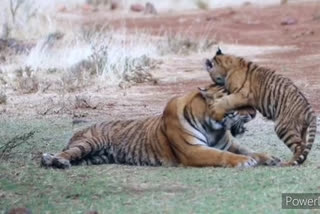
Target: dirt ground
[(249, 30), (249, 25)]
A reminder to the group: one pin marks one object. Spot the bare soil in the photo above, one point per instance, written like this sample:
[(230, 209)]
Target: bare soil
[(249, 25), (298, 58)]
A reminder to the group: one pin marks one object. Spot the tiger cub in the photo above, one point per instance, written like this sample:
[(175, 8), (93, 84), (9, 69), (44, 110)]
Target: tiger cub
[(274, 96), (184, 134)]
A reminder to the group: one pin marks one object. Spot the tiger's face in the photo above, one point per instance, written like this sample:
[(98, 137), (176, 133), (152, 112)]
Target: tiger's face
[(220, 65)]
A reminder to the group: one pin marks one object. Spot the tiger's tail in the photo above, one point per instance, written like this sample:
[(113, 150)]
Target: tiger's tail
[(310, 135), (308, 138)]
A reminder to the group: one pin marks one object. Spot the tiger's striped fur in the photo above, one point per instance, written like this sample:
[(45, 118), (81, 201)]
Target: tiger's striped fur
[(183, 135), (273, 95)]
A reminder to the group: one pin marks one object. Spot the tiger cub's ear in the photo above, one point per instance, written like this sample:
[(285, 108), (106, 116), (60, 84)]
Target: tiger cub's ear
[(209, 65), (219, 52)]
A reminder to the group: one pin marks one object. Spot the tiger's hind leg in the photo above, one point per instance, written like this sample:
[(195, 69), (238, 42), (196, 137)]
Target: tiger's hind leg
[(75, 153), (50, 160), (293, 139)]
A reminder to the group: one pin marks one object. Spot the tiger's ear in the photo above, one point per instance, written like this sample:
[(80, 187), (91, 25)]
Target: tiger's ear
[(219, 52), (208, 65)]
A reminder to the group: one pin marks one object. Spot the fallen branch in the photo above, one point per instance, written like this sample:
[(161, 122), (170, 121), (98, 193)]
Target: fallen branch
[(15, 142)]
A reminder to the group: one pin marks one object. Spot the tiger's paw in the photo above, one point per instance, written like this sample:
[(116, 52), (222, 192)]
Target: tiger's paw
[(50, 160), (218, 114), (289, 163), (46, 159), (61, 163), (244, 162), (266, 160), (273, 161)]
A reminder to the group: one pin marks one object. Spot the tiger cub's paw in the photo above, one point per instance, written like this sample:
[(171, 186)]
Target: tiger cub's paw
[(218, 113)]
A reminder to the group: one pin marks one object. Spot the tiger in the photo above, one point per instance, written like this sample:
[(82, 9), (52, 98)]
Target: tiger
[(184, 135), (276, 97)]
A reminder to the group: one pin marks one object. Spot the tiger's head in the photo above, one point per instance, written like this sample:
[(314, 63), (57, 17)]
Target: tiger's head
[(221, 65), (233, 121)]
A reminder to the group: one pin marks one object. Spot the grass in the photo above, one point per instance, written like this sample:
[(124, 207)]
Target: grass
[(124, 189)]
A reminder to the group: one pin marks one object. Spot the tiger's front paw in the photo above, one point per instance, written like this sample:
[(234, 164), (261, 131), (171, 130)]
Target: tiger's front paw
[(288, 163), (266, 160), (243, 162)]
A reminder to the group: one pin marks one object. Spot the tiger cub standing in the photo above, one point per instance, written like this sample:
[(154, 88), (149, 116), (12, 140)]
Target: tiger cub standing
[(274, 96), (184, 134)]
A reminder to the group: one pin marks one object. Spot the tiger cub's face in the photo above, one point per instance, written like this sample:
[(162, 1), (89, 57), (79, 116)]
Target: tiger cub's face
[(220, 65), (233, 121)]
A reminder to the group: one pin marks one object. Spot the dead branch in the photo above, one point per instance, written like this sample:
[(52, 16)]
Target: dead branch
[(14, 8), (15, 142)]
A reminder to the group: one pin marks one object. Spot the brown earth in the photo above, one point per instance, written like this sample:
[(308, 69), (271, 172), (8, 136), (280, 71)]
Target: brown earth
[(247, 25)]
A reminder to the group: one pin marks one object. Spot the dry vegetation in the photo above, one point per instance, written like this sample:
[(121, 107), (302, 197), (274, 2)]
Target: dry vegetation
[(39, 55)]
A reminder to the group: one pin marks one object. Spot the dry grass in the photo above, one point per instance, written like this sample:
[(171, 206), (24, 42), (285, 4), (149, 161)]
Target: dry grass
[(202, 5), (3, 98), (177, 44), (27, 82), (67, 60)]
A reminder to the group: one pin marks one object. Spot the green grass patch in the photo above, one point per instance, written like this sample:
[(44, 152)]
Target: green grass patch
[(128, 189)]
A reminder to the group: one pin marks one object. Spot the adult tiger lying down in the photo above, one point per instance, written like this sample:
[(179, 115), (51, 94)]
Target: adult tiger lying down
[(184, 134)]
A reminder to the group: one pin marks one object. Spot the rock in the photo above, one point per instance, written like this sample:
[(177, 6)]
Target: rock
[(3, 98), (137, 7), (289, 21), (211, 18), (87, 8), (150, 9), (20, 210), (316, 17), (246, 3), (304, 33), (62, 8), (114, 5)]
